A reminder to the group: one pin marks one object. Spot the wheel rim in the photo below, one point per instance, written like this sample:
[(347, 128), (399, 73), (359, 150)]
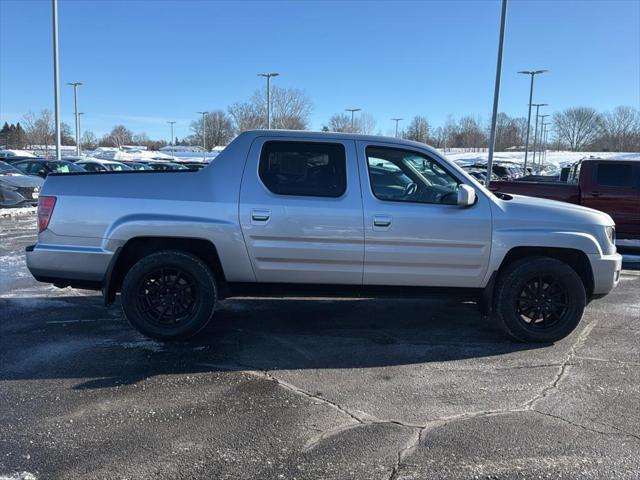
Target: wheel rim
[(543, 302), (167, 296)]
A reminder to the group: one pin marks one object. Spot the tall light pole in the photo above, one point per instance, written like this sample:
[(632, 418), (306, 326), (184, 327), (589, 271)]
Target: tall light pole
[(533, 73), (56, 81), (397, 120), (268, 76), (79, 132), (539, 143), (352, 110), (535, 134), (496, 92), (75, 86), (172, 123), (204, 135), (543, 154)]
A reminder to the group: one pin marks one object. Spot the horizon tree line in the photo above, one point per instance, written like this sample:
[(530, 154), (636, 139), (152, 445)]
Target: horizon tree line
[(576, 128)]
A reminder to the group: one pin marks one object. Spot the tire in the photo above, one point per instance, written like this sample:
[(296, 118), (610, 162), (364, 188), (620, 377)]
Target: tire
[(169, 295), (539, 299)]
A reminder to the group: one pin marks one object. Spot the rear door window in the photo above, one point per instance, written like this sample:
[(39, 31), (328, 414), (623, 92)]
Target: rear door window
[(614, 175), (304, 168)]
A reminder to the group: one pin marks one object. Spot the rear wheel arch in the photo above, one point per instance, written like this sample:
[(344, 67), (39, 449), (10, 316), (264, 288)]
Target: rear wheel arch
[(139, 247)]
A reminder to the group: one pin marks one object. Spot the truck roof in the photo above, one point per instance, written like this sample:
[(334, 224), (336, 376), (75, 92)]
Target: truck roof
[(306, 134)]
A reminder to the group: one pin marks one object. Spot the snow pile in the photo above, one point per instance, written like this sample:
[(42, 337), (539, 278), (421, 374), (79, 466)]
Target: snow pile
[(17, 212), (115, 154), (557, 159)]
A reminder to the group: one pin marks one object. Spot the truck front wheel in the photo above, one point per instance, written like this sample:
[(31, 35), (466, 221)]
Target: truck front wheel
[(169, 295), (539, 299)]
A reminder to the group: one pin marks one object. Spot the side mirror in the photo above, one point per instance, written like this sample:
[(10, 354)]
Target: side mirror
[(42, 173), (466, 196)]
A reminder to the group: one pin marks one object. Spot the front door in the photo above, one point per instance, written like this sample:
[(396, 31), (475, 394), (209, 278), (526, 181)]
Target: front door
[(415, 234), (614, 188), (301, 212)]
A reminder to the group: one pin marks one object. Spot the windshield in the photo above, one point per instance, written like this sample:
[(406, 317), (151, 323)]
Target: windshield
[(64, 167), (117, 167), (5, 168)]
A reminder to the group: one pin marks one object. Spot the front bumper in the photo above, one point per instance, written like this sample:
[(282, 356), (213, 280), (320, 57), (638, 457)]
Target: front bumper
[(606, 272)]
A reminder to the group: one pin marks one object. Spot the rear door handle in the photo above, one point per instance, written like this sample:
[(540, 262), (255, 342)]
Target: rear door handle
[(595, 194), (259, 215), (382, 221)]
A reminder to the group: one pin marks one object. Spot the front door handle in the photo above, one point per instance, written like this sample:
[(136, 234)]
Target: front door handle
[(595, 194), (260, 215), (382, 221)]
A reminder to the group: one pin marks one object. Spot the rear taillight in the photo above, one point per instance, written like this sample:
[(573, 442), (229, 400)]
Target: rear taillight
[(45, 209)]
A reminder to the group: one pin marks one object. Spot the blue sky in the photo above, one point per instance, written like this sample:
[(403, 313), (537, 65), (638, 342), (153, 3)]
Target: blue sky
[(146, 62)]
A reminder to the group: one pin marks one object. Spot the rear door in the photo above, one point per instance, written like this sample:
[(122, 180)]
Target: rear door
[(301, 211), (614, 187), (415, 234)]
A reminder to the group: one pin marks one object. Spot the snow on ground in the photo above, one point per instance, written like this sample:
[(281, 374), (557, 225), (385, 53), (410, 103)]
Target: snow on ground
[(19, 476), (16, 212), (553, 158)]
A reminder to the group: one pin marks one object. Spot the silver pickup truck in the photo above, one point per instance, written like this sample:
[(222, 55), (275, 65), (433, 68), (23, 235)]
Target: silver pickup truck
[(290, 213)]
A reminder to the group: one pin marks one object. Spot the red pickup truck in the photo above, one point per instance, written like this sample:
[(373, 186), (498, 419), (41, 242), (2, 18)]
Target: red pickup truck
[(611, 186)]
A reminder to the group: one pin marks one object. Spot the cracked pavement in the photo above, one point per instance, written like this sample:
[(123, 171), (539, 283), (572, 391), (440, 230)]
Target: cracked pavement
[(380, 389)]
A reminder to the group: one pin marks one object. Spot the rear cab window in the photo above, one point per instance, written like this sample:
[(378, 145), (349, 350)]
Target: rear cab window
[(314, 169), (614, 175)]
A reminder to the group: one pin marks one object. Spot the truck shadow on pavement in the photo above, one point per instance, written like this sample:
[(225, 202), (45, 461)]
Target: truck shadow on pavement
[(75, 337)]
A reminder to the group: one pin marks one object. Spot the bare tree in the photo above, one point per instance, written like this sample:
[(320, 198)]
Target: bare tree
[(620, 130), (418, 130), (472, 135), (577, 127), (247, 116), (365, 123), (119, 136), (40, 129), (219, 129), (290, 107), (340, 122), (510, 131), (89, 140)]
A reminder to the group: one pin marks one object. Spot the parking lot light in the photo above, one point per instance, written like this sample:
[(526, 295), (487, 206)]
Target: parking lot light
[(171, 141), (268, 76), (397, 120), (75, 86), (533, 73), (352, 110), (204, 135), (496, 92), (535, 134), (539, 143), (56, 81)]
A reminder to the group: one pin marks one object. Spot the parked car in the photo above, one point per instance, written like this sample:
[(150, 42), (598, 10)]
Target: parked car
[(165, 166), (193, 165), (16, 188), (8, 155), (43, 167), (286, 213), (611, 186), (136, 165), (96, 165)]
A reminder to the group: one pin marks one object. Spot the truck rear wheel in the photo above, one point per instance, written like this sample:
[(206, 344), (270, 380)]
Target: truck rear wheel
[(539, 299), (169, 295)]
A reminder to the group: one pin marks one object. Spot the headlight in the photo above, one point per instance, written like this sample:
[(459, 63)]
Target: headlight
[(611, 234)]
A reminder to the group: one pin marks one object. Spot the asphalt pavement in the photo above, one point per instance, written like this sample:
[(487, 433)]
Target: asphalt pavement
[(310, 388)]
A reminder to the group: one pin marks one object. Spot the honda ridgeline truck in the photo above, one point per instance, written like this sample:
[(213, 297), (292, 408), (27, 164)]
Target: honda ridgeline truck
[(289, 213)]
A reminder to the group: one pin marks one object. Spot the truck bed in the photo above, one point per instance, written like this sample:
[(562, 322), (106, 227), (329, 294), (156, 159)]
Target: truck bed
[(561, 191)]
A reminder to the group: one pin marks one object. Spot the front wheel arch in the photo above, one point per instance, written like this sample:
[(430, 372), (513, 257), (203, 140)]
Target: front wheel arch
[(575, 258)]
